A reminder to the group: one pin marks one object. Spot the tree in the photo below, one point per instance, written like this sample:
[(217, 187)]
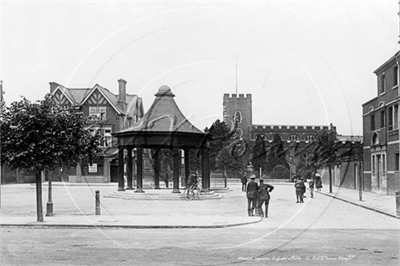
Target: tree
[(226, 159), (325, 152), (226, 149), (220, 138), (259, 154), (41, 136), (276, 155)]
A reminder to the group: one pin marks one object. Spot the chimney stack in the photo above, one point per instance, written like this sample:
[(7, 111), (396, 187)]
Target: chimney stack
[(53, 86), (122, 94)]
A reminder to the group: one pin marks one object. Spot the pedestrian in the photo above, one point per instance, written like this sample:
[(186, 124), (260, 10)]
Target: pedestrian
[(299, 185), (251, 194), (318, 182), (191, 184), (311, 186), (244, 183), (264, 197)]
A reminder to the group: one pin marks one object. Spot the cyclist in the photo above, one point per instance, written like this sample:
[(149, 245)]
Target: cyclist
[(191, 184)]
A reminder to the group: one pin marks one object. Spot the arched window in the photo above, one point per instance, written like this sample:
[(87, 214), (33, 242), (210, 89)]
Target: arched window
[(238, 117), (309, 138), (293, 137), (375, 139)]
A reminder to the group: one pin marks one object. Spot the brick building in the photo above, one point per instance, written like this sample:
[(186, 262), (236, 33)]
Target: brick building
[(105, 113), (381, 131)]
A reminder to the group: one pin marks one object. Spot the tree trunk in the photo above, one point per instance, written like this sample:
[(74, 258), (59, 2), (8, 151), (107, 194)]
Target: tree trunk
[(39, 207), (330, 180)]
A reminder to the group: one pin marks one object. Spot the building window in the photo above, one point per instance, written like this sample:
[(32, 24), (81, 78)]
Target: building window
[(397, 162), (382, 83), (382, 119), (97, 113), (237, 116), (309, 138), (395, 76), (390, 118), (393, 115), (105, 133), (373, 164), (293, 137), (372, 122)]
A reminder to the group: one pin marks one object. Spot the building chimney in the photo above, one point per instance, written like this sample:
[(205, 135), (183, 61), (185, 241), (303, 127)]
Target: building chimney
[(122, 94), (53, 86)]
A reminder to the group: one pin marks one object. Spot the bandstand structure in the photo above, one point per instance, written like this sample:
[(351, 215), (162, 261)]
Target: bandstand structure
[(162, 127)]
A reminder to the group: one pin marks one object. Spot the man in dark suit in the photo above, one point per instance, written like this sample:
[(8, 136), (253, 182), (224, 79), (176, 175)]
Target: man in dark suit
[(264, 197), (244, 183), (251, 194)]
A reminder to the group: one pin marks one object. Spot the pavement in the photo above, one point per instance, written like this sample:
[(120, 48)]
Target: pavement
[(74, 206), (384, 204)]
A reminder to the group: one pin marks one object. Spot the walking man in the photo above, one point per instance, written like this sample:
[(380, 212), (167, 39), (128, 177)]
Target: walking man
[(300, 187), (264, 197), (251, 194), (311, 186), (244, 182)]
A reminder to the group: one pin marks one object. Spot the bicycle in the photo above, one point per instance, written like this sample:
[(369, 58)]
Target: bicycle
[(194, 190)]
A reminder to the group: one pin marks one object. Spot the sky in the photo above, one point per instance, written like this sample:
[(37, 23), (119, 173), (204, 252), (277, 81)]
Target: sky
[(304, 62)]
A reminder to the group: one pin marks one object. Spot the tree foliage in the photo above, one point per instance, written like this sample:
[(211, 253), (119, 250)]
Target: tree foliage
[(324, 150), (41, 136), (276, 155), (259, 154), (226, 149)]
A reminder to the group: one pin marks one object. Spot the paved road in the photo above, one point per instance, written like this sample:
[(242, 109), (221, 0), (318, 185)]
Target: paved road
[(322, 231)]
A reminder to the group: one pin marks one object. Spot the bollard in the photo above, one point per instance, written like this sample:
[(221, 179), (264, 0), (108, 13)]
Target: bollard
[(97, 202), (398, 204)]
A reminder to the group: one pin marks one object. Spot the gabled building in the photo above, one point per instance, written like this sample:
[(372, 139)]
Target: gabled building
[(381, 131), (105, 113)]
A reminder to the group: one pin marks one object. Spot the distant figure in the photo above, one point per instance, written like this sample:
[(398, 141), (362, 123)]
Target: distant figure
[(318, 182), (244, 183), (299, 185), (311, 186), (251, 194), (191, 184), (264, 197)]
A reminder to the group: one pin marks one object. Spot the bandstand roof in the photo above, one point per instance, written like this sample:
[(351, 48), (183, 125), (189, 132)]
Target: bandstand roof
[(162, 125)]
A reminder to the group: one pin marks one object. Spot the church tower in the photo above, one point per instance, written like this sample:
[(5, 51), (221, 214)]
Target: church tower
[(238, 108)]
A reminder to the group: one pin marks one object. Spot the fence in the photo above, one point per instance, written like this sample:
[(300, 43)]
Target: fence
[(217, 180)]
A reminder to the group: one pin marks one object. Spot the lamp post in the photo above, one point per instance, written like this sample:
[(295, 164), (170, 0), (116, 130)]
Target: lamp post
[(49, 206)]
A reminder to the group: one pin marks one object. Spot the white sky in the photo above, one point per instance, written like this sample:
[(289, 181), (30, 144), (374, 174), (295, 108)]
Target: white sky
[(304, 62)]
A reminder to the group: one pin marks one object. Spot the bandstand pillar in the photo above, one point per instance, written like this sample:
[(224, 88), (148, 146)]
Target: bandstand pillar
[(129, 169), (187, 168), (205, 171), (156, 169), (121, 185), (175, 180), (139, 183)]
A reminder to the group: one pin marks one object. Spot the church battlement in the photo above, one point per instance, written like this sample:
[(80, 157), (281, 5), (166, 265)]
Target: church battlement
[(241, 96), (287, 128)]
